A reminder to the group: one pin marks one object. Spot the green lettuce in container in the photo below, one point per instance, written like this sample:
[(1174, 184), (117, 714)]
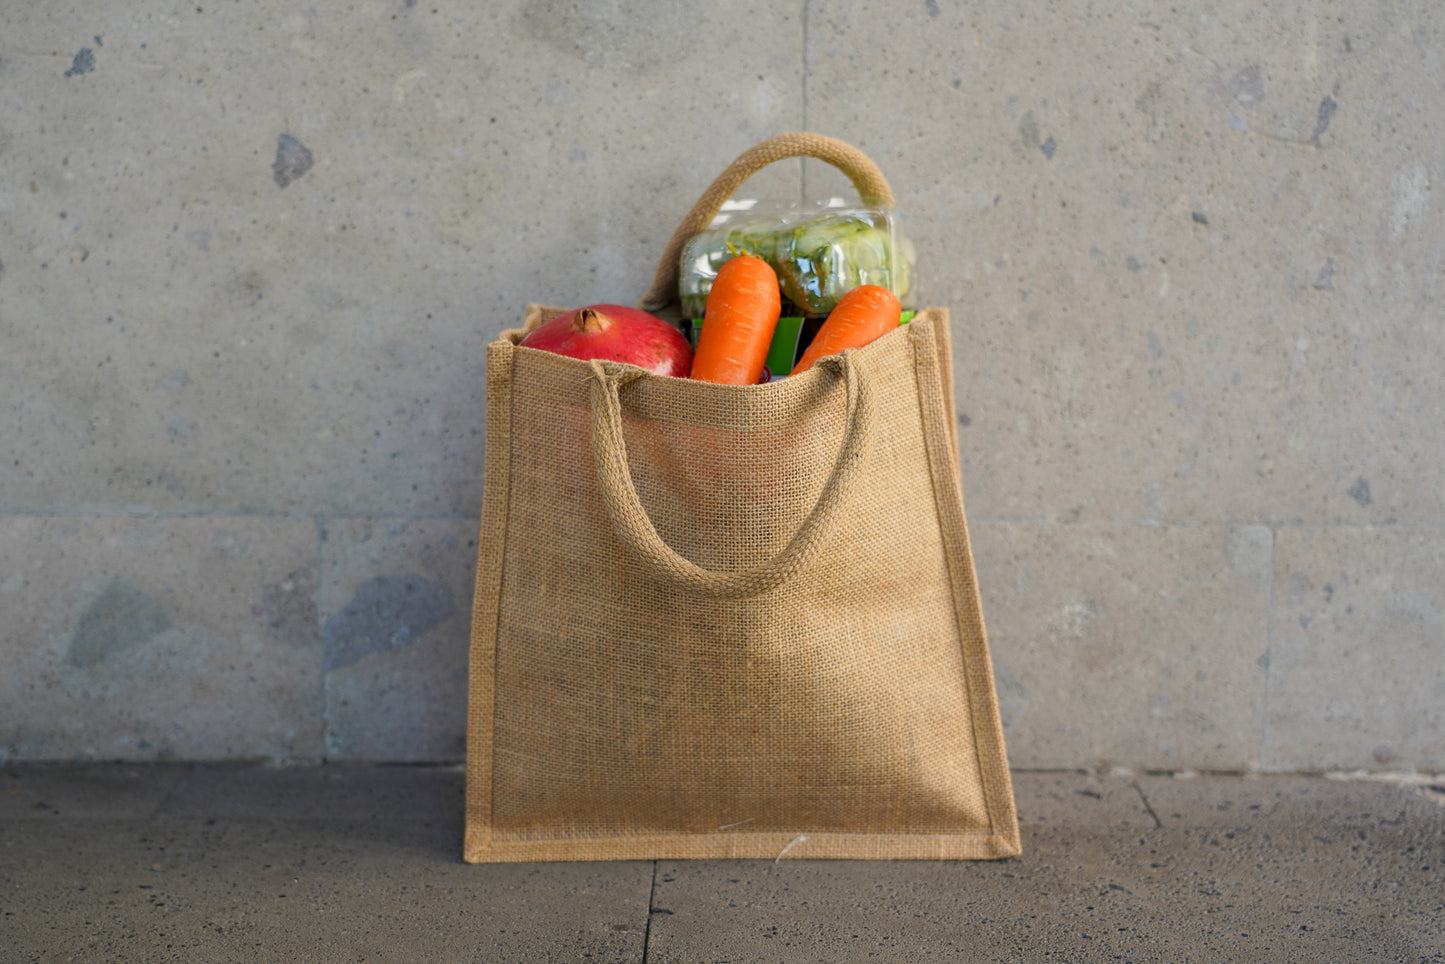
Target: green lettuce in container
[(820, 252), (706, 252)]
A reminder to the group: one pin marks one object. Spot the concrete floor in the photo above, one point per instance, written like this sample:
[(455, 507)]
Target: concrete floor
[(248, 863)]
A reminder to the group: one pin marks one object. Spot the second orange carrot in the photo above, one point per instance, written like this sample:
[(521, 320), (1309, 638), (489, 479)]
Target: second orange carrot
[(863, 314)]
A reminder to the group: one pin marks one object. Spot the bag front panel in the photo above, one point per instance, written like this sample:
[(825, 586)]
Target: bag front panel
[(837, 701)]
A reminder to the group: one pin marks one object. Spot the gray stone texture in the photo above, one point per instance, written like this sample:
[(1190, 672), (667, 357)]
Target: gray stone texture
[(1134, 645), (396, 610), (159, 638), (186, 332), (1357, 671), (251, 255), (346, 863), (1218, 299), (306, 863)]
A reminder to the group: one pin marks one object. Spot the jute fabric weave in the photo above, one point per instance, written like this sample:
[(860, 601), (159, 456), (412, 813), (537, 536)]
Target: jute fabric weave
[(720, 621), (731, 621)]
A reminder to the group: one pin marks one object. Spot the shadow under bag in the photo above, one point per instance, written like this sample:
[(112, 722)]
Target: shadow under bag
[(720, 621)]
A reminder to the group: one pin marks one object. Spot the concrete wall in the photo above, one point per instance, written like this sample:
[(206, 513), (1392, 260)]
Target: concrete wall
[(252, 253)]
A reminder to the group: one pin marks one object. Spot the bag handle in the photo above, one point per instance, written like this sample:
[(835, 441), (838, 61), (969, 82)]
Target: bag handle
[(866, 177), (635, 529)]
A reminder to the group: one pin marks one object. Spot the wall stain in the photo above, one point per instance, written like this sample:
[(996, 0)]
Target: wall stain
[(83, 63), (387, 612), (1322, 122), (293, 160), (122, 618), (246, 287), (1360, 491)]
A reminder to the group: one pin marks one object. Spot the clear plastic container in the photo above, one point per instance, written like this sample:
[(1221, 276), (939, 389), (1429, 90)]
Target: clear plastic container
[(820, 251)]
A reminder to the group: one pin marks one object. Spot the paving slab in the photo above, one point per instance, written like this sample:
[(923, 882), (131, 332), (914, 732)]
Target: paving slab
[(362, 863), (106, 793), (297, 864), (1079, 799), (1310, 884)]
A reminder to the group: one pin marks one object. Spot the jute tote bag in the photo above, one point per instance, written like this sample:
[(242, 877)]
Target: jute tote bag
[(730, 621)]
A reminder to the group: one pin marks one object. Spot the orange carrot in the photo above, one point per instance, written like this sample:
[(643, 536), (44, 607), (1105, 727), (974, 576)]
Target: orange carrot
[(860, 316), (738, 323)]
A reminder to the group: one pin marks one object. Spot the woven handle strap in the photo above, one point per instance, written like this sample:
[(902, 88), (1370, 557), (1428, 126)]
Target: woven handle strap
[(866, 177), (635, 528)]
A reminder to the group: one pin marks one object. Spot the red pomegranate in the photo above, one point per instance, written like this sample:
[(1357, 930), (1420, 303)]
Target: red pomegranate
[(619, 333)]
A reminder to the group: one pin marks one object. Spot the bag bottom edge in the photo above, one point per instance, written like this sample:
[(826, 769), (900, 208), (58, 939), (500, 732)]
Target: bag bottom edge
[(482, 848)]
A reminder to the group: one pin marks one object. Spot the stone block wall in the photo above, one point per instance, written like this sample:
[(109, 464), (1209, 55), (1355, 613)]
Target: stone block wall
[(251, 254)]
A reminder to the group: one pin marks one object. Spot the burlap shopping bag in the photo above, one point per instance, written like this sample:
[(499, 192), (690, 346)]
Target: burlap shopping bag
[(730, 621)]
